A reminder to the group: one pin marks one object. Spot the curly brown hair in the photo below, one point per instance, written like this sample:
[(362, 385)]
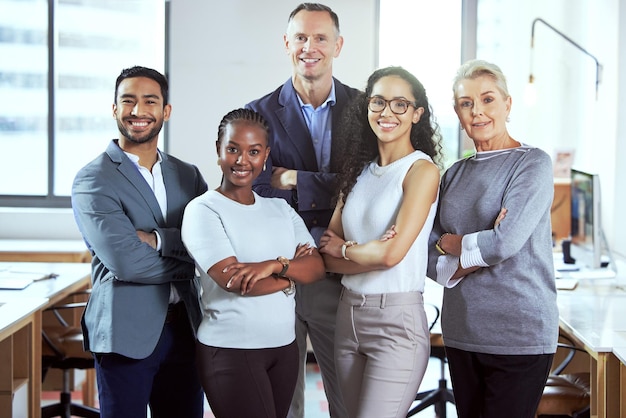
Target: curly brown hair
[(358, 143)]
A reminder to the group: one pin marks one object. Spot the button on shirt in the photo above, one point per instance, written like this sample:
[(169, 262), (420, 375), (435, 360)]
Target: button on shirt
[(319, 122)]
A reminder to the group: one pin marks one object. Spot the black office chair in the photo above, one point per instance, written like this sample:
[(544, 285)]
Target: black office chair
[(566, 394), (62, 348), (442, 395)]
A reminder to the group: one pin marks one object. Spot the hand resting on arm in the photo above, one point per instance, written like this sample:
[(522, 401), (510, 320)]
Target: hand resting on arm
[(255, 279)]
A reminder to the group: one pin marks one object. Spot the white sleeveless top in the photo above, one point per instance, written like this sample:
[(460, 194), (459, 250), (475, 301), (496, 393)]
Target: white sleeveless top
[(371, 209)]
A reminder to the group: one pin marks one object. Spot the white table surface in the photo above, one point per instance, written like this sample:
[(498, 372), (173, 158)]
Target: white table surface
[(13, 311), (42, 245), (69, 274), (593, 312)]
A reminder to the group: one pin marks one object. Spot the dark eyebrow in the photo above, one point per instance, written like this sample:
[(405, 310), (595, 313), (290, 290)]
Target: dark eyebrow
[(258, 144), (393, 98), (145, 96)]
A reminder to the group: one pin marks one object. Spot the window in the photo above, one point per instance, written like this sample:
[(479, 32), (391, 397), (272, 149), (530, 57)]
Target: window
[(57, 86), (424, 37)]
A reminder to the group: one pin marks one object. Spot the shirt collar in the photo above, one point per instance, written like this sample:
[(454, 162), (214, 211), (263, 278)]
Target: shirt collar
[(330, 100), (135, 158)]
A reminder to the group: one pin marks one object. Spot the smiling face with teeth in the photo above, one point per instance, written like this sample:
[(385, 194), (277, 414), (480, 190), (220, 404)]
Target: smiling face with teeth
[(312, 41), (483, 109), (242, 154), (140, 110), (388, 126)]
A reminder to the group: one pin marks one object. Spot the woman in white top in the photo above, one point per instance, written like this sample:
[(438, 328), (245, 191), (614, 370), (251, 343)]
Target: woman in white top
[(389, 183), (249, 250)]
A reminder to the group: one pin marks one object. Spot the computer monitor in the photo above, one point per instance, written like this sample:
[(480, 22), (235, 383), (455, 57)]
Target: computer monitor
[(586, 226)]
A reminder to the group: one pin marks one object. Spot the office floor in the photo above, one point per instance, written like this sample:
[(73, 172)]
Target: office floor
[(316, 405)]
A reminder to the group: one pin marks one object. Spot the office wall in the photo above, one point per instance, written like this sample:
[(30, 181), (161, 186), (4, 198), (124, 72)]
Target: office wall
[(222, 59)]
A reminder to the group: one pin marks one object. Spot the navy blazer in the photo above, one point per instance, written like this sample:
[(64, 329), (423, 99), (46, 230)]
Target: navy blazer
[(131, 280), (292, 148)]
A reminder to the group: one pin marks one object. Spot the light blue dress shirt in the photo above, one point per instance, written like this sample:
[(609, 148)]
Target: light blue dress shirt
[(319, 122), (320, 126)]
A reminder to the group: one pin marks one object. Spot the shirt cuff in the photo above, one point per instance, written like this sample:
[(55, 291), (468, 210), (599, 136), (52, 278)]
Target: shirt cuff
[(158, 237), (470, 252), (447, 265)]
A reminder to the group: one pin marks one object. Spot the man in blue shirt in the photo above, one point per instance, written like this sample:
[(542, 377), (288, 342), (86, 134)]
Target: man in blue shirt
[(302, 114)]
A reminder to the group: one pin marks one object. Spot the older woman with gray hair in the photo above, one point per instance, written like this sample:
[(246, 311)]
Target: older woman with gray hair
[(491, 247)]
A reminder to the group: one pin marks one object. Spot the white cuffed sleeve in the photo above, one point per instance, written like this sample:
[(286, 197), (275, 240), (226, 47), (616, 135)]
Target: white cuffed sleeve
[(470, 252), (447, 265)]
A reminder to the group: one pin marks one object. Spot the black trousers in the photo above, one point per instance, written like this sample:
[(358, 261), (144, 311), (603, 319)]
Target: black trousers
[(497, 386), (255, 383), (167, 380)]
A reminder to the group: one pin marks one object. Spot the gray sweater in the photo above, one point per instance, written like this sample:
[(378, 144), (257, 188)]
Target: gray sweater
[(510, 306)]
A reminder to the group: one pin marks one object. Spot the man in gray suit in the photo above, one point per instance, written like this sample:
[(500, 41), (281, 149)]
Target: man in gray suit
[(142, 315)]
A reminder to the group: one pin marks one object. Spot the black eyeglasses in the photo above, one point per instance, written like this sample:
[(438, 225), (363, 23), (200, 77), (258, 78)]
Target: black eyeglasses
[(397, 106)]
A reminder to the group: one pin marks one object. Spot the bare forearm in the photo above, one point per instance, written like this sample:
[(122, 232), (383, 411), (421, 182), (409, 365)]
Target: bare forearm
[(462, 272), (341, 266), (451, 243), (306, 269), (268, 286)]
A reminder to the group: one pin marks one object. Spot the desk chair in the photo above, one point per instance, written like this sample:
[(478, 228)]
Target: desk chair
[(62, 348), (566, 394), (440, 396)]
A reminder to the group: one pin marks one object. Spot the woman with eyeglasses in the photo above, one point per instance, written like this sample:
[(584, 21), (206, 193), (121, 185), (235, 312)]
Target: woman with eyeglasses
[(377, 238)]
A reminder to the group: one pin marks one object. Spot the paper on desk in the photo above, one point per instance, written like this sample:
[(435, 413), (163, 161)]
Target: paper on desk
[(18, 280)]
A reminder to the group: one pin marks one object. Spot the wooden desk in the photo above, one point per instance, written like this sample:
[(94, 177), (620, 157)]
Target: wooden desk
[(20, 352), (620, 352), (48, 250), (72, 277), (61, 251), (591, 315)]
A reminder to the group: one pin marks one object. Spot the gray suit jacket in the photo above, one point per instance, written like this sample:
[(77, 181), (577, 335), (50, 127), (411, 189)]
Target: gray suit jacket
[(131, 280)]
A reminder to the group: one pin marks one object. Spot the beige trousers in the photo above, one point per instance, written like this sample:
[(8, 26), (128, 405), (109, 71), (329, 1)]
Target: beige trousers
[(382, 346)]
